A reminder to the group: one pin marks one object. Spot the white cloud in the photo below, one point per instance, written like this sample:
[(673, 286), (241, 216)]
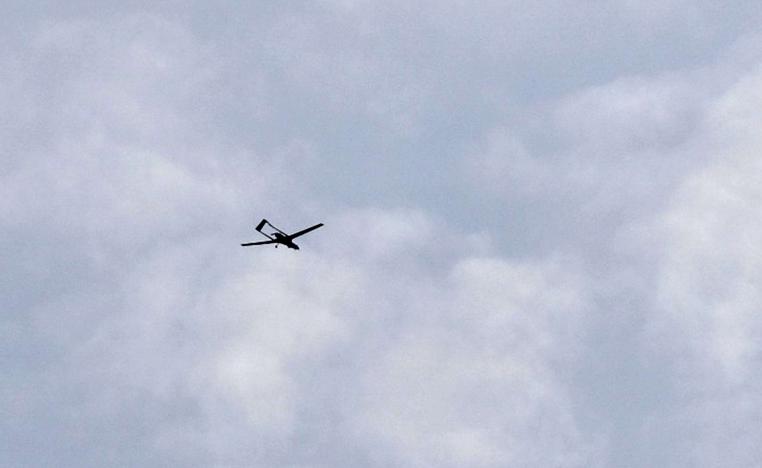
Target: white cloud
[(476, 366), (711, 255), (708, 293), (136, 331)]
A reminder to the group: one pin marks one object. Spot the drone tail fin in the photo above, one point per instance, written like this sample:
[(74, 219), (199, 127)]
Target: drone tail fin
[(261, 225)]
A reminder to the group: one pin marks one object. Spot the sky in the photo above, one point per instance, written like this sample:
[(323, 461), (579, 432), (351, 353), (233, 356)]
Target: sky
[(541, 241)]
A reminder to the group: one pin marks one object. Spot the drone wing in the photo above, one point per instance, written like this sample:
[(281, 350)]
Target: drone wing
[(304, 231), (259, 243)]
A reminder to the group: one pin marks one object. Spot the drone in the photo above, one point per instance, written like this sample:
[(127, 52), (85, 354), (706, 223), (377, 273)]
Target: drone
[(279, 237)]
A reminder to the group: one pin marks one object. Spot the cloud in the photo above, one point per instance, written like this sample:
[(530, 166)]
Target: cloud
[(412, 370), (474, 365), (707, 289), (660, 174), (539, 242)]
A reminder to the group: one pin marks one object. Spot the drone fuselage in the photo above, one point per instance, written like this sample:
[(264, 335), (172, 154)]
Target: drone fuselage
[(283, 240)]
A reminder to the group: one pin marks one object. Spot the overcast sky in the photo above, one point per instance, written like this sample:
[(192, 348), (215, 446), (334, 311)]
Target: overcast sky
[(541, 243)]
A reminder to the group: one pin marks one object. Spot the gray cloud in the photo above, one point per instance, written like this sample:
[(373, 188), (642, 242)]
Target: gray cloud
[(539, 246), (707, 291)]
